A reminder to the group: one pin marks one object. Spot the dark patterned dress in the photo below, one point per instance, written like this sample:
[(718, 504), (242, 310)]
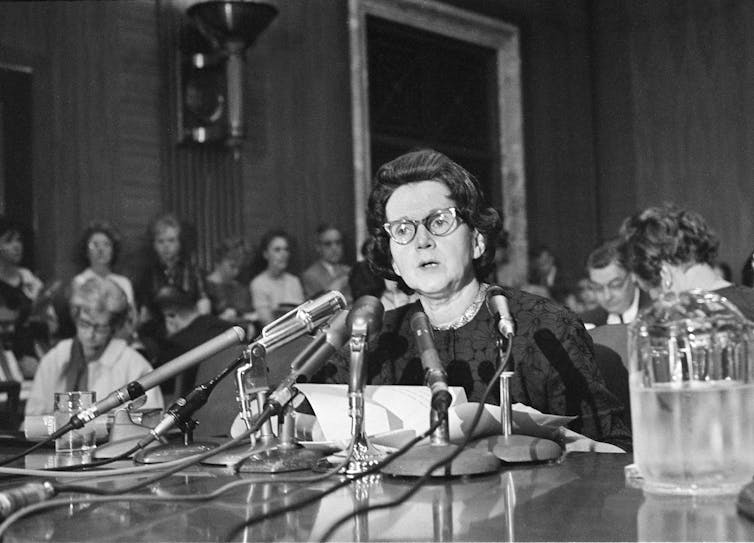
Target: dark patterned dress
[(552, 356)]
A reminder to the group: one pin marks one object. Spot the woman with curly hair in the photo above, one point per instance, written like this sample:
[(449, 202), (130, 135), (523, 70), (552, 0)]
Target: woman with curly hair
[(431, 230), (97, 253), (670, 249)]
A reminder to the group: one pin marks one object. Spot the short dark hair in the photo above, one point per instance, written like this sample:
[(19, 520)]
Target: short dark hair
[(326, 227), (97, 227), (606, 253), (9, 226), (430, 165), (665, 234), (232, 249)]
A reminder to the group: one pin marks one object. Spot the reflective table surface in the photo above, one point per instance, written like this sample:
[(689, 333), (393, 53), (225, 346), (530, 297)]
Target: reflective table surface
[(583, 497)]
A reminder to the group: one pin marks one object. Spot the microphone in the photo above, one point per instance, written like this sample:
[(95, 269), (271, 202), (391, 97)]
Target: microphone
[(27, 494), (364, 321), (134, 389), (308, 362), (434, 374), (497, 305), (180, 411), (305, 318)]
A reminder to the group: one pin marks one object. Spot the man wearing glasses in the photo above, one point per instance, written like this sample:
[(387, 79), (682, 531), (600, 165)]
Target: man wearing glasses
[(328, 272), (618, 295)]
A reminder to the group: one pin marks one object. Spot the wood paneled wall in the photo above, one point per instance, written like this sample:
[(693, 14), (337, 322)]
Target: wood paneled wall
[(96, 123), (626, 103)]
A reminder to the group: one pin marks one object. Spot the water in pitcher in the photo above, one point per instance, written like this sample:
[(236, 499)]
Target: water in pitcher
[(696, 438)]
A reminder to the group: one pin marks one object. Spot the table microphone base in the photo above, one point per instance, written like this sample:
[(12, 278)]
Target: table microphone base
[(520, 448), (417, 460), (280, 459), (234, 455), (172, 451)]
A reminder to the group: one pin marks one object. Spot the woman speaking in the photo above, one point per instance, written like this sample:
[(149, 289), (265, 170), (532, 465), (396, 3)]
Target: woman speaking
[(431, 230)]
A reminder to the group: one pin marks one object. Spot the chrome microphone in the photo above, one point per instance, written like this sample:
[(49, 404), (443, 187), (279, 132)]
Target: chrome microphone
[(311, 359), (233, 336), (497, 305), (305, 318), (364, 321), (434, 374)]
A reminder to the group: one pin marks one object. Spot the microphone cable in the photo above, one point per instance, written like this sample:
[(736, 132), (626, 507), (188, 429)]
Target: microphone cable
[(344, 482), (60, 502), (428, 473)]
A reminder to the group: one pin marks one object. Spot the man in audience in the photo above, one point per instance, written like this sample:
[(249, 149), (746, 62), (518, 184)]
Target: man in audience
[(617, 293), (327, 273), (186, 328)]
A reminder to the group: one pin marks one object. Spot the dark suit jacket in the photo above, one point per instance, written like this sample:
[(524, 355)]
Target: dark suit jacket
[(316, 278), (598, 315)]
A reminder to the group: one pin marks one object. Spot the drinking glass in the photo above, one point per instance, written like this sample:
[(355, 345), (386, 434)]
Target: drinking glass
[(66, 405)]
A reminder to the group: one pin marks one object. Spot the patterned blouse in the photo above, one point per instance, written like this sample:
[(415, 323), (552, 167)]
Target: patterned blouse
[(552, 356)]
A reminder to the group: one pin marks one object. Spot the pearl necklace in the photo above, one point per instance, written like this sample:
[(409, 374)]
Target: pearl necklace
[(469, 313)]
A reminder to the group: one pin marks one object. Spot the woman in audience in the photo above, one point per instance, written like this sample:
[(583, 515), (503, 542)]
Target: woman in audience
[(94, 359), (97, 253), (670, 249), (275, 290), (170, 265), (14, 277), (431, 228), (22, 287)]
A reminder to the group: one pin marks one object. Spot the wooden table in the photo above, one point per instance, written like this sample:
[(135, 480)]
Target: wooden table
[(584, 497)]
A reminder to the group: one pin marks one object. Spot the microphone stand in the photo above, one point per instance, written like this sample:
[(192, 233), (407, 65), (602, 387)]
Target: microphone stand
[(414, 463), (189, 447), (510, 447), (364, 455), (267, 452)]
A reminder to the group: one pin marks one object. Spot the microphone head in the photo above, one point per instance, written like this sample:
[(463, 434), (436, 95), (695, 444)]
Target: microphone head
[(419, 322), (497, 305), (366, 314), (493, 291)]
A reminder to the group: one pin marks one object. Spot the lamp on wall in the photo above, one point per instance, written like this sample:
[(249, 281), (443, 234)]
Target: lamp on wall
[(213, 84)]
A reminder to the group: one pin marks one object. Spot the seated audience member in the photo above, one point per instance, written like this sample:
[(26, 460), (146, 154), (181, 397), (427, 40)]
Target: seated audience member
[(586, 295), (328, 272), (431, 228), (505, 272), (274, 291), (617, 293), (362, 281), (186, 328), (97, 252), (671, 250), (170, 265), (231, 301), (95, 359), (16, 282)]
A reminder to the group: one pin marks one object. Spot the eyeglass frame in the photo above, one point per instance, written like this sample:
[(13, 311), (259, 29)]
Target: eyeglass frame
[(457, 219), (88, 326)]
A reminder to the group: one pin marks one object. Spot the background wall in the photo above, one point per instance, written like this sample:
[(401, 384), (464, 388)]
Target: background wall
[(626, 103), (674, 101)]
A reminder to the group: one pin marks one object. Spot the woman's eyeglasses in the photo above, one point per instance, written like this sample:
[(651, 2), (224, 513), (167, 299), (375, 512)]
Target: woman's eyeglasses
[(441, 222), (90, 327)]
